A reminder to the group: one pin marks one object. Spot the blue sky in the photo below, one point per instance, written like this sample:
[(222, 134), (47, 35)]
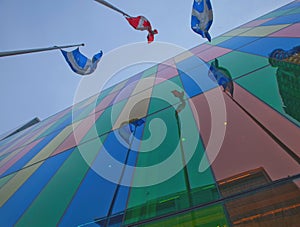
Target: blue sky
[(42, 84)]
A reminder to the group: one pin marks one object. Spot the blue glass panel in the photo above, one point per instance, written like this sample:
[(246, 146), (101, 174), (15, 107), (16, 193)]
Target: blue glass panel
[(121, 199), (290, 6), (197, 81), (13, 208), (189, 64), (93, 198), (265, 46), (287, 19), (91, 201), (237, 42)]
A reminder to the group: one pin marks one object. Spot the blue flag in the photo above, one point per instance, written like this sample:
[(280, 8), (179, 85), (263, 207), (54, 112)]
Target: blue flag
[(202, 18), (79, 63)]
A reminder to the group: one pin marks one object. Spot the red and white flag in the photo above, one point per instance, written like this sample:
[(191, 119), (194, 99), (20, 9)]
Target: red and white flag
[(141, 23)]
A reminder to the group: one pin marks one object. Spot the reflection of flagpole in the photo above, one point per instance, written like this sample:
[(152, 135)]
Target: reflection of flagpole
[(18, 52), (120, 179), (291, 153), (185, 171), (112, 7), (180, 107)]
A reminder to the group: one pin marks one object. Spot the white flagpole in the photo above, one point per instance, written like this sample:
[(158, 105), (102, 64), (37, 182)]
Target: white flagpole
[(112, 7), (28, 51)]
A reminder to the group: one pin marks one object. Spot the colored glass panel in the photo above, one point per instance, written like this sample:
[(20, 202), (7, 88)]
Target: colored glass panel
[(200, 48), (135, 108), (4, 180), (266, 85), (243, 63), (105, 122), (16, 156), (206, 217), (286, 19), (236, 32), (125, 92), (144, 84), (12, 210), (149, 72), (263, 30), (237, 42), (219, 39), (182, 189), (246, 145), (213, 53), (276, 13), (290, 31), (162, 96), (290, 6), (28, 156), (166, 72), (276, 123), (264, 46), (255, 23), (183, 56), (106, 101), (79, 132), (56, 196)]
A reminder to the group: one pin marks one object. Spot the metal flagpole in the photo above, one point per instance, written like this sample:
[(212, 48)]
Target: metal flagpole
[(19, 52), (112, 7)]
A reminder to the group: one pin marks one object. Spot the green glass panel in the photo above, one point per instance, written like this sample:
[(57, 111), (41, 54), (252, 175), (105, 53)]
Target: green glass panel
[(55, 125), (276, 13), (212, 216), (236, 32), (103, 94), (83, 103), (243, 63), (85, 113), (5, 179), (105, 121), (183, 186), (162, 96), (294, 11), (191, 141), (219, 39), (149, 72), (271, 87), (51, 203)]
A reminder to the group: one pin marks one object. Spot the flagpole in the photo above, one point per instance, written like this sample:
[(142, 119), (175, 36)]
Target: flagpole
[(112, 7), (28, 51)]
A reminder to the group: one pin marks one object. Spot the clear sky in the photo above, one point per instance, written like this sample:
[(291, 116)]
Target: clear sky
[(42, 84)]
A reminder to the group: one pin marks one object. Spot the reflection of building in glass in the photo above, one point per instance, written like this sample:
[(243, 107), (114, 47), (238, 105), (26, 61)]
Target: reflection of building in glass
[(252, 199), (288, 79), (58, 172), (261, 207)]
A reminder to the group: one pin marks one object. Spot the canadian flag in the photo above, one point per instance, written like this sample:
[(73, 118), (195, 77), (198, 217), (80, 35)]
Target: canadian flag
[(142, 23)]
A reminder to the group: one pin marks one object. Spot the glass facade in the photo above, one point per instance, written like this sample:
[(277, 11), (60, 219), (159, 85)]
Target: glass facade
[(208, 138)]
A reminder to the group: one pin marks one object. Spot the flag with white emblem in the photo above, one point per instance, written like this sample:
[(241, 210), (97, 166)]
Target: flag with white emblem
[(79, 63), (202, 18)]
